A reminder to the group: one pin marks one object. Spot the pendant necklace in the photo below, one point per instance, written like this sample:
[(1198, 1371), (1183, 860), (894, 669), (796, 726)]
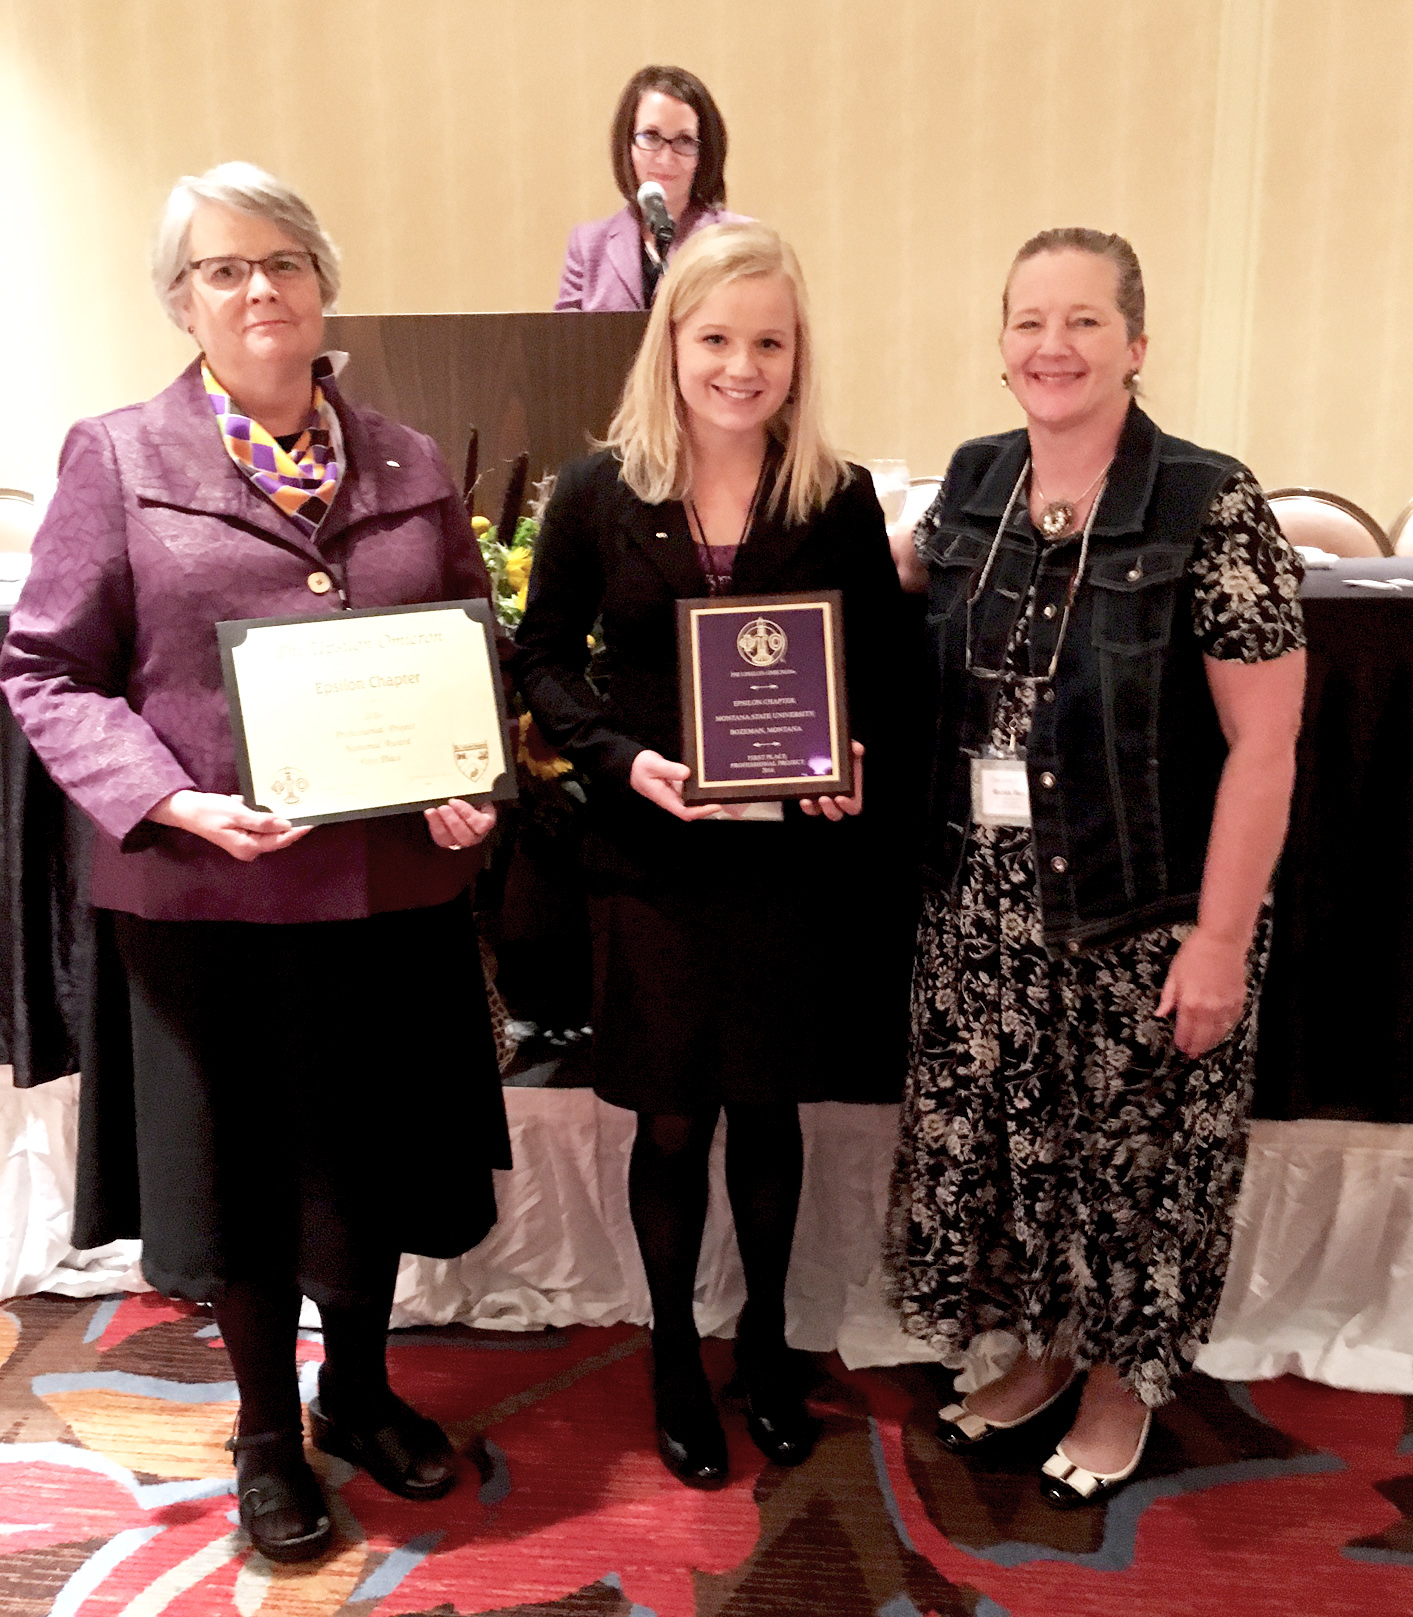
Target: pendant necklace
[(1057, 516), (980, 670), (716, 579)]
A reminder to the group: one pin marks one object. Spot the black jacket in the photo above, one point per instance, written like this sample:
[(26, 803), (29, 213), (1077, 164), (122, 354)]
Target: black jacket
[(603, 554), (1125, 750)]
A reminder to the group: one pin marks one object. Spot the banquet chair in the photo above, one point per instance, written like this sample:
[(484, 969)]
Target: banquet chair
[(1400, 534), (19, 517), (1311, 516)]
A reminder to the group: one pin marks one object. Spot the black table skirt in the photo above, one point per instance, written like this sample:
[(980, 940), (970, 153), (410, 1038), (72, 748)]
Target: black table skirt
[(1336, 1035), (1337, 1013), (47, 934)]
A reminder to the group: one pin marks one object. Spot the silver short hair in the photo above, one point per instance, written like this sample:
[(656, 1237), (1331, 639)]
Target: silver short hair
[(247, 189)]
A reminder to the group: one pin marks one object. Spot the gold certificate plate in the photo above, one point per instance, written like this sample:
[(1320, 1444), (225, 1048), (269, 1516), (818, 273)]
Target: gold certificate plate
[(376, 711)]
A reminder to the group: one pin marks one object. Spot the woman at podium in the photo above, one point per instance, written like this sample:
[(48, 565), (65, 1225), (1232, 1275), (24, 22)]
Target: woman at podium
[(726, 963), (294, 1077), (666, 131)]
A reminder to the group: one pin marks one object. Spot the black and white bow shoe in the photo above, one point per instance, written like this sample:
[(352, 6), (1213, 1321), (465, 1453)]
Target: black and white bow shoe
[(1066, 1485), (960, 1428)]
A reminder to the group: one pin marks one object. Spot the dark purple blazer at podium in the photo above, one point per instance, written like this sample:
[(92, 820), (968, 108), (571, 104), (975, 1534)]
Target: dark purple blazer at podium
[(603, 266)]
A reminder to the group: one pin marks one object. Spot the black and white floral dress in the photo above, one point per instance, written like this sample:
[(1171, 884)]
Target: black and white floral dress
[(1062, 1172)]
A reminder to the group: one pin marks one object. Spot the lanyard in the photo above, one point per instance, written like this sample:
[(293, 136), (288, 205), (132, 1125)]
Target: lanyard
[(972, 667)]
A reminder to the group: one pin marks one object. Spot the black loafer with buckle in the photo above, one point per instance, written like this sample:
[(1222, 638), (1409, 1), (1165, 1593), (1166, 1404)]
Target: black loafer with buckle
[(402, 1451), (278, 1496)]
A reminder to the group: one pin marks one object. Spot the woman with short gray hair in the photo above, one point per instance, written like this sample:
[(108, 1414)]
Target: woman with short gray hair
[(242, 1111), (245, 189)]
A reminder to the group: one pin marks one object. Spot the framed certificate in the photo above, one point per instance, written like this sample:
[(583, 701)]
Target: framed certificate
[(764, 706), (376, 711)]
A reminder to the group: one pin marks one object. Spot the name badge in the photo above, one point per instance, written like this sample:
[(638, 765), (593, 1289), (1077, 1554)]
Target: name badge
[(1000, 793)]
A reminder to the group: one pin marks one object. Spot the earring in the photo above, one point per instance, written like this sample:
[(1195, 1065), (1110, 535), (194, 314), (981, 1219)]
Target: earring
[(1130, 379), (191, 331), (1005, 380)]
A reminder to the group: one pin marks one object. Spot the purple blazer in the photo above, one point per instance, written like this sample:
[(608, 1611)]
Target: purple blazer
[(112, 668), (603, 266)]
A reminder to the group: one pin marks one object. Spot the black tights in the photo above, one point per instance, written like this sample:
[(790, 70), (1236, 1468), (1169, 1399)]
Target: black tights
[(667, 1196), (260, 1322)]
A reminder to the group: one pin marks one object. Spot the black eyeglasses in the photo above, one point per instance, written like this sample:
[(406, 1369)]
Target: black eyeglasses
[(229, 273), (651, 140)]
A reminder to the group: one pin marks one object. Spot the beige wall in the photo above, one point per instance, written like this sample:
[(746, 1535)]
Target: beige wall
[(1257, 152)]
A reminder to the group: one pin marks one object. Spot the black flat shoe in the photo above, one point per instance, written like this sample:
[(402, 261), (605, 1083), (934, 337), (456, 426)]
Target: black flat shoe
[(781, 1427), (773, 1390), (695, 1454), (280, 1503), (401, 1450), (689, 1435)]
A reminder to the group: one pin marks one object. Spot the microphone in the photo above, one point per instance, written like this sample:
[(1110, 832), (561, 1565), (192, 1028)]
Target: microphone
[(652, 200)]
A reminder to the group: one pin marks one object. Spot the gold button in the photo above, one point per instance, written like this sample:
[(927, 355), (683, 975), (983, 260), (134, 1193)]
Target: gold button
[(1058, 865), (1134, 574), (1048, 694), (1072, 945), (1047, 780), (319, 583), (1049, 611)]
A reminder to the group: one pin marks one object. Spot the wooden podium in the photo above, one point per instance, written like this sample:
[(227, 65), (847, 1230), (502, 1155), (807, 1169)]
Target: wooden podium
[(542, 383)]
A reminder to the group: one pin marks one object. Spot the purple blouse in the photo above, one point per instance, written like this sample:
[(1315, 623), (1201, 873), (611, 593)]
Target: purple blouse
[(717, 562)]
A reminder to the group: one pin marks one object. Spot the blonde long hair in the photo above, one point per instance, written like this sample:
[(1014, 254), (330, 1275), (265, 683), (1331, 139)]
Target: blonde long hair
[(649, 432)]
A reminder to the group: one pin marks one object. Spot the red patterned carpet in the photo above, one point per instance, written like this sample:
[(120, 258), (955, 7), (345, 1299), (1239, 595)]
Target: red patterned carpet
[(114, 1495)]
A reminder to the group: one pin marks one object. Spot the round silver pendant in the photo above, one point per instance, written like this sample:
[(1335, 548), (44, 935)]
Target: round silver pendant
[(1056, 518)]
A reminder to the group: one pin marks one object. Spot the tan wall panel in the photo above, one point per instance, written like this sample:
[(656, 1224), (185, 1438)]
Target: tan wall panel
[(1332, 318), (906, 150)]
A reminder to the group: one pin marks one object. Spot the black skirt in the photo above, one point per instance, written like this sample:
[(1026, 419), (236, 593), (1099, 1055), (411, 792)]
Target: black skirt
[(774, 970), (289, 1102)]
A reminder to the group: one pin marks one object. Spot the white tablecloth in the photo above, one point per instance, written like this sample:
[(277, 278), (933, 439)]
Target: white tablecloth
[(1321, 1282)]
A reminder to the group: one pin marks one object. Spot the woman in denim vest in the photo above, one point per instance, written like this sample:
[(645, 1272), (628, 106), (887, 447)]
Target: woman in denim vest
[(1119, 662)]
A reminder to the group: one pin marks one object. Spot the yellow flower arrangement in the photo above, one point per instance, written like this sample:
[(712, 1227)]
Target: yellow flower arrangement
[(509, 566), (517, 566), (535, 753), (517, 574)]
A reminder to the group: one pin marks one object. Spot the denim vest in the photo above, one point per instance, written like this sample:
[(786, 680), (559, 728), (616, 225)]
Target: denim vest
[(1125, 751)]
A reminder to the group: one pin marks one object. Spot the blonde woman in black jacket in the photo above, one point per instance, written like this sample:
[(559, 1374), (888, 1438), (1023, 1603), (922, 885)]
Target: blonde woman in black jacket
[(714, 983)]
